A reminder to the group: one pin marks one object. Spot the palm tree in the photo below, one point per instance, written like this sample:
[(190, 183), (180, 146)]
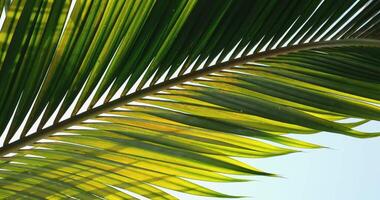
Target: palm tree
[(98, 96)]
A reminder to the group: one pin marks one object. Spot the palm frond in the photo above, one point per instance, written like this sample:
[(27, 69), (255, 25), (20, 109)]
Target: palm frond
[(165, 91)]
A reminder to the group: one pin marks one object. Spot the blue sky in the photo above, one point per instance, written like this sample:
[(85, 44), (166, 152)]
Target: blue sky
[(348, 170)]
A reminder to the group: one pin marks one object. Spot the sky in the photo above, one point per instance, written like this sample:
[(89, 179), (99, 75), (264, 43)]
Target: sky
[(348, 170)]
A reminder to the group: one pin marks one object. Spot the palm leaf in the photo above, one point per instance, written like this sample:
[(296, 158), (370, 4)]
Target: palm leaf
[(100, 96)]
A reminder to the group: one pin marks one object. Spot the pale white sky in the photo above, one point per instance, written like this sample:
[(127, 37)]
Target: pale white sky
[(349, 170)]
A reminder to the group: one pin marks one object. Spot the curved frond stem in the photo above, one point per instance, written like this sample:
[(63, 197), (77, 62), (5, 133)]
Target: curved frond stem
[(40, 134)]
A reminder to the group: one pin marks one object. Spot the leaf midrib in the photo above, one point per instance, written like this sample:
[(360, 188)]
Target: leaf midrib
[(40, 134)]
